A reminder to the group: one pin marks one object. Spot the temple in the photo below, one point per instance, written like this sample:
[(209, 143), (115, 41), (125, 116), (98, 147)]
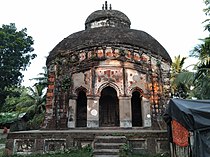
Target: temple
[(107, 77)]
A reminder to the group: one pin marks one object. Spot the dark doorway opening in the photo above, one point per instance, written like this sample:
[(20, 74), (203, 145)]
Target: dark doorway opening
[(81, 112), (136, 109), (108, 108)]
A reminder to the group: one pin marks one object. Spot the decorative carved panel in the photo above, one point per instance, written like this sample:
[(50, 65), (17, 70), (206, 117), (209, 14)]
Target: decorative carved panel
[(52, 145), (24, 146)]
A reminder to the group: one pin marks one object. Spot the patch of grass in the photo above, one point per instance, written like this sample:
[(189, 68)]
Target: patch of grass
[(1, 152), (83, 152), (126, 151), (3, 140), (145, 155)]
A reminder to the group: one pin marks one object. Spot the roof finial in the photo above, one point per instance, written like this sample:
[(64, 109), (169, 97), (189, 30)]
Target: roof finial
[(106, 5), (110, 7), (103, 7)]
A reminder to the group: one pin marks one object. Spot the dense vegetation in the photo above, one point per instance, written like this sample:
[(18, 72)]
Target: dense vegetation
[(29, 106), (196, 83), (15, 55)]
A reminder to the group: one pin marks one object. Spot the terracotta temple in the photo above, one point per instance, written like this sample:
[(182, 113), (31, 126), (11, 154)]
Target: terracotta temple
[(106, 77)]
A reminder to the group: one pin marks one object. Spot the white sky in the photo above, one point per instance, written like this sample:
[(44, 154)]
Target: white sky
[(176, 24)]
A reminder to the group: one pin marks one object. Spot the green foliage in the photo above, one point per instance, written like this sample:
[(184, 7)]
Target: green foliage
[(177, 65), (207, 12), (18, 102), (147, 155), (83, 152), (42, 78), (38, 95), (36, 121), (202, 82), (194, 84), (7, 118), (30, 102), (66, 83), (202, 52), (202, 74), (2, 140), (125, 150), (179, 88), (2, 152), (15, 56)]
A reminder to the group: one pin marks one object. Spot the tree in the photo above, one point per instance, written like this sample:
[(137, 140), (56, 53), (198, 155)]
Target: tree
[(202, 75), (27, 101), (35, 112), (178, 63), (178, 87), (14, 102), (42, 78), (207, 12), (202, 52), (15, 56), (38, 96), (30, 102)]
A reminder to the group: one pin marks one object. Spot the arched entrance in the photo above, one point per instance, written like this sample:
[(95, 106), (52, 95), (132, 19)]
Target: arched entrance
[(136, 109), (108, 108), (81, 110)]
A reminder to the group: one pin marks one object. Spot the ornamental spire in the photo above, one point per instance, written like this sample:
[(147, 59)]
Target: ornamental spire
[(105, 6)]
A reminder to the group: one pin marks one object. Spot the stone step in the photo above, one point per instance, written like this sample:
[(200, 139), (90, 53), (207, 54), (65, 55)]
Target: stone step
[(106, 151), (110, 139), (108, 145)]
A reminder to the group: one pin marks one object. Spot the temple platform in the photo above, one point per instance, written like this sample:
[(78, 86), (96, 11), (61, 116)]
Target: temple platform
[(45, 141)]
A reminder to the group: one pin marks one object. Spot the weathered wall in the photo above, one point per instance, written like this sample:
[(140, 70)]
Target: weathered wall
[(91, 70), (26, 142)]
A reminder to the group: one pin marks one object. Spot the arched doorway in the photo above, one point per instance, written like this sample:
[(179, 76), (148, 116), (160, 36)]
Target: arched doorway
[(108, 108), (136, 109), (81, 111)]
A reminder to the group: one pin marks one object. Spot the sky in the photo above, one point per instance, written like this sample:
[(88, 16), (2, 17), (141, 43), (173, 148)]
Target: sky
[(176, 24)]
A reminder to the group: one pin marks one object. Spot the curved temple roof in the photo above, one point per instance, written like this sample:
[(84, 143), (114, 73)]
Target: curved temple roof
[(108, 27), (108, 14)]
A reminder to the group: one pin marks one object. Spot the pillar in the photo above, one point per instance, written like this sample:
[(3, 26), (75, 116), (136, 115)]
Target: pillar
[(146, 114), (92, 112), (125, 112), (72, 114)]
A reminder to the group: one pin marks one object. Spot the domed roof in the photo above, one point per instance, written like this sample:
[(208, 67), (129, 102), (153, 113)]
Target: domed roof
[(103, 36), (116, 15), (108, 27)]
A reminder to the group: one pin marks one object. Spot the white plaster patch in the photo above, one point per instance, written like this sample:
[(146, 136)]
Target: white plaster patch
[(82, 79), (100, 23), (135, 79), (78, 79), (93, 112)]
